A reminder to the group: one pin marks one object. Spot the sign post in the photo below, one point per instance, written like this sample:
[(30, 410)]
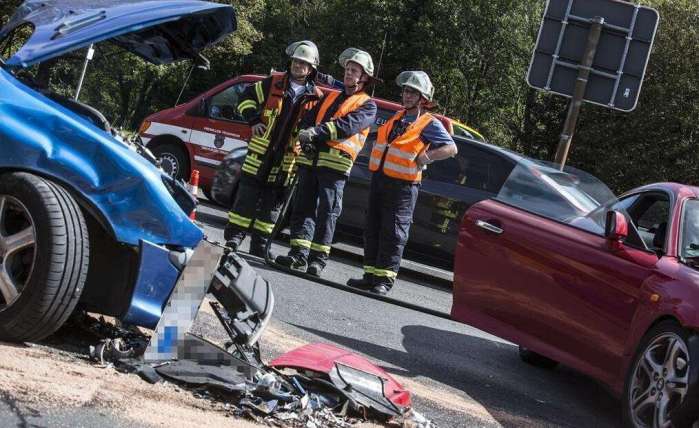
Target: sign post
[(580, 86), (593, 51)]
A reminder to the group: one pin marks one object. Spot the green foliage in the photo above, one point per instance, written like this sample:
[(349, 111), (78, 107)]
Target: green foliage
[(477, 53), (658, 141)]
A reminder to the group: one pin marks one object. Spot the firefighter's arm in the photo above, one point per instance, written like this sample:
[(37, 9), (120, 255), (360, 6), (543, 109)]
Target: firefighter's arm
[(252, 100), (428, 156), (327, 79), (441, 144), (347, 125)]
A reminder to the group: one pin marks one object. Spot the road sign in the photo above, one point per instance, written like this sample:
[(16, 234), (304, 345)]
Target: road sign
[(621, 57)]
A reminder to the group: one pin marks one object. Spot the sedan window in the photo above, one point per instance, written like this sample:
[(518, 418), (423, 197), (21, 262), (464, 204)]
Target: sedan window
[(473, 167), (648, 214), (542, 188), (526, 189), (690, 231)]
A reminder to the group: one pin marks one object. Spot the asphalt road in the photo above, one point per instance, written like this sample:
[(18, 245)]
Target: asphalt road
[(459, 376)]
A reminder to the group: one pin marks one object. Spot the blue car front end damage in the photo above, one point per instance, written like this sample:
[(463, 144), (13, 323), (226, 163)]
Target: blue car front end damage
[(157, 274), (130, 198), (40, 136), (140, 234)]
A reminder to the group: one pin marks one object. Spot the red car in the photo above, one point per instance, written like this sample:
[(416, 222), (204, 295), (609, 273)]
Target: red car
[(608, 286), (199, 133)]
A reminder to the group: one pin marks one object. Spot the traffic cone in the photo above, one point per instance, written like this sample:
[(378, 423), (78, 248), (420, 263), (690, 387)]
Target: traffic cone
[(194, 190)]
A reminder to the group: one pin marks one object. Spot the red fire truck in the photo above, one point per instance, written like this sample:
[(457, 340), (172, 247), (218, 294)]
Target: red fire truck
[(199, 133)]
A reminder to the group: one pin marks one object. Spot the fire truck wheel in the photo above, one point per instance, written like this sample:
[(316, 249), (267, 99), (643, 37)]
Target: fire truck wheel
[(173, 160)]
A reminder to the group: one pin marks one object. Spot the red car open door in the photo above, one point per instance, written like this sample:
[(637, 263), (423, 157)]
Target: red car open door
[(556, 289)]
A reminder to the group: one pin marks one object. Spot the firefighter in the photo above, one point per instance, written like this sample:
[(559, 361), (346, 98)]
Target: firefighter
[(272, 107), (405, 144), (332, 134)]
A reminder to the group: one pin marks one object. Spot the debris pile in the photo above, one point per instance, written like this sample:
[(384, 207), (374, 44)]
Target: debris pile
[(273, 394), (317, 385)]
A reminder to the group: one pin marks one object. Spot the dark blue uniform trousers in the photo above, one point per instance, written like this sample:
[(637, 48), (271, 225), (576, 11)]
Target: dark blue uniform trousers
[(317, 206), (391, 206), (256, 207)]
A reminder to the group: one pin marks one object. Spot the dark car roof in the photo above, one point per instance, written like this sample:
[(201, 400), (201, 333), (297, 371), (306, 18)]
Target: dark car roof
[(505, 153)]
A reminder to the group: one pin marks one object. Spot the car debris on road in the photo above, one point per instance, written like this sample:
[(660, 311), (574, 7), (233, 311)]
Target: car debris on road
[(317, 385)]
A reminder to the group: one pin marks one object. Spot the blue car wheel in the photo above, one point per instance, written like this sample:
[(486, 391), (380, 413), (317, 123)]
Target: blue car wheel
[(44, 256)]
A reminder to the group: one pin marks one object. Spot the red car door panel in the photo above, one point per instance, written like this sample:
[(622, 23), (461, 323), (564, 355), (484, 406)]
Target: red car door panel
[(549, 282)]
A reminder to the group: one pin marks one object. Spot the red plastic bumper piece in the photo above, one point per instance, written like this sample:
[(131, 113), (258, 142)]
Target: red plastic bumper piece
[(321, 357)]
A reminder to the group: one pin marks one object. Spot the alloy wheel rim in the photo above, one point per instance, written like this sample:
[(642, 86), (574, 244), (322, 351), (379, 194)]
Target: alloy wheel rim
[(659, 382), (17, 249), (169, 164)]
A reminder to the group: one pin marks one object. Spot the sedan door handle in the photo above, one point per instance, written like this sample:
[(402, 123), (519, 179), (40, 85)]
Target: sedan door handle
[(489, 227)]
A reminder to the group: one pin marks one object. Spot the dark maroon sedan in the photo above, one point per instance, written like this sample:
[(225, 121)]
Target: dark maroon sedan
[(610, 287)]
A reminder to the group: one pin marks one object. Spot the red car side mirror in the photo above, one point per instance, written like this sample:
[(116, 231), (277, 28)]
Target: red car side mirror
[(616, 227)]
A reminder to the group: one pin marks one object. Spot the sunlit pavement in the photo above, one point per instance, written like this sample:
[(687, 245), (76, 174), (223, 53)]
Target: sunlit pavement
[(459, 376)]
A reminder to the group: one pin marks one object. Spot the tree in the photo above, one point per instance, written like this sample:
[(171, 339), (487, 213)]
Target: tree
[(477, 53)]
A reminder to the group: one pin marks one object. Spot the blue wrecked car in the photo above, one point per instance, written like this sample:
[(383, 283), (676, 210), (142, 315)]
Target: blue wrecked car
[(84, 219)]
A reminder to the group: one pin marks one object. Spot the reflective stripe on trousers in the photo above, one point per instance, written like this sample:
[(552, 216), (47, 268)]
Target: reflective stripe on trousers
[(391, 206), (317, 206), (256, 207)]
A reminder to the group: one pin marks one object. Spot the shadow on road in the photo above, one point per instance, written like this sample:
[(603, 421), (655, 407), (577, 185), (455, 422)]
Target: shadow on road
[(22, 415), (491, 373), (212, 220)]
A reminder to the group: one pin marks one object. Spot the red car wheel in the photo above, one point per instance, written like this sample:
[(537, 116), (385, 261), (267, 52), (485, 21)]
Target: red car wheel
[(659, 376)]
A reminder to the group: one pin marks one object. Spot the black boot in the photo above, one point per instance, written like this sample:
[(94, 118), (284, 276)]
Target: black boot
[(381, 289), (316, 267), (233, 245), (292, 262), (364, 283), (257, 248)]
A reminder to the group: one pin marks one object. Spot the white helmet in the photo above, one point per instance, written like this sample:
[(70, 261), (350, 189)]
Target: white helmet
[(360, 57), (418, 80), (305, 50)]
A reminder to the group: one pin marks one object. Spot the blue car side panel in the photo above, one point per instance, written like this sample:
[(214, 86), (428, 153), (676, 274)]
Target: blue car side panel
[(37, 134), (155, 280)]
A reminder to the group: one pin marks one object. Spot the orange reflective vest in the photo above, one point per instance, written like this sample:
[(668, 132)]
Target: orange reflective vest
[(401, 154), (330, 156)]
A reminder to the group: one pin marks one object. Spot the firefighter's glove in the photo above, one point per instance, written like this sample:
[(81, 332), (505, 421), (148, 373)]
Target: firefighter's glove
[(259, 129), (307, 135)]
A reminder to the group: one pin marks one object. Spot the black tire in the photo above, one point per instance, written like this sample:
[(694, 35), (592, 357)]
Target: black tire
[(536, 360), (174, 160), (50, 274), (651, 339)]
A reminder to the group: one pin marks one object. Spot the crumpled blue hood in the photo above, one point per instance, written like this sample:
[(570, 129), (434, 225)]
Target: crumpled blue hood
[(158, 31)]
